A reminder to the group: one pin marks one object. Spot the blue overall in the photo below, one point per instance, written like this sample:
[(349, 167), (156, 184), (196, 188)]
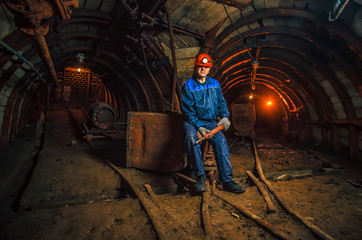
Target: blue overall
[(201, 105)]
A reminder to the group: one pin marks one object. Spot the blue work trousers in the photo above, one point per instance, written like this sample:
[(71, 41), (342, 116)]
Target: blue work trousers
[(220, 146)]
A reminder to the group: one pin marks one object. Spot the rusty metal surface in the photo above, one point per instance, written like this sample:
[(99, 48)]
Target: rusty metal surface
[(243, 117), (30, 16), (102, 115), (42, 47), (155, 141), (31, 19)]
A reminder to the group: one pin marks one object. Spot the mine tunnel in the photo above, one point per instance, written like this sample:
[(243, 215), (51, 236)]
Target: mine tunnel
[(102, 79)]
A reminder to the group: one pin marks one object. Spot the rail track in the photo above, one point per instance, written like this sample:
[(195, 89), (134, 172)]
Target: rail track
[(269, 192), (168, 226), (259, 213)]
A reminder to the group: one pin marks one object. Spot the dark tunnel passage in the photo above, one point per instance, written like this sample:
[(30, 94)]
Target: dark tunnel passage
[(121, 53), (289, 70), (269, 115)]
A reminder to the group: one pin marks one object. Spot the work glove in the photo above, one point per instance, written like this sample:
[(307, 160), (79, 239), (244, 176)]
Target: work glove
[(203, 131), (225, 122)]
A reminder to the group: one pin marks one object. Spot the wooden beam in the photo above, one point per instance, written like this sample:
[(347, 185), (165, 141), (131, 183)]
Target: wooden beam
[(247, 213), (206, 215), (317, 231), (269, 204)]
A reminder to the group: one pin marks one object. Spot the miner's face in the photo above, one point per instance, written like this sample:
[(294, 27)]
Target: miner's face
[(202, 71)]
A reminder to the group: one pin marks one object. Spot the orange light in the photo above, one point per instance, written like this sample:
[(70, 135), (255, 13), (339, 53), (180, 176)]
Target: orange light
[(251, 96), (269, 103), (79, 69)]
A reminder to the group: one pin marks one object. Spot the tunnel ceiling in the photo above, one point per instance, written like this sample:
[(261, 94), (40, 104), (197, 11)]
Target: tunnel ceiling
[(305, 53)]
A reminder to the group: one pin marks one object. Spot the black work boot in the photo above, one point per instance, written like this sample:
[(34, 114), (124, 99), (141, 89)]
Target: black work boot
[(233, 187), (200, 184)]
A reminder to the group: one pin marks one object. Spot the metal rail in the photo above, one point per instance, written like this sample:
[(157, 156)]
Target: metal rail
[(317, 231), (162, 220)]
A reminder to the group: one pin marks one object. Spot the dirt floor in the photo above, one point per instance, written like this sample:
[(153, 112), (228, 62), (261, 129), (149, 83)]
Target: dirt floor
[(73, 194)]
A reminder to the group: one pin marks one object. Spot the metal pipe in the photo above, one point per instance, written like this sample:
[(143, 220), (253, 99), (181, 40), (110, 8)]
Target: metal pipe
[(132, 11), (12, 50), (337, 9), (172, 43), (153, 78), (42, 47), (182, 30), (31, 19)]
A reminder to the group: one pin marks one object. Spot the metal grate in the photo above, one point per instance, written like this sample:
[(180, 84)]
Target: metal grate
[(76, 87)]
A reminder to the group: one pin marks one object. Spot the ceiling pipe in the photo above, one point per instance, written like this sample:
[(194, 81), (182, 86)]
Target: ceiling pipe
[(337, 10), (31, 19), (42, 48), (131, 9), (27, 62), (182, 30)]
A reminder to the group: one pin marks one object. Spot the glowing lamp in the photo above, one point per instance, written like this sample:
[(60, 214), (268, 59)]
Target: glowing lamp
[(79, 69), (269, 103)]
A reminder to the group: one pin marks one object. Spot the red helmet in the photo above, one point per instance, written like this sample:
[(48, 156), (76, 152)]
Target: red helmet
[(203, 60)]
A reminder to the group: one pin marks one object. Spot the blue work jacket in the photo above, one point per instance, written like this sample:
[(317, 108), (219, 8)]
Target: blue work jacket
[(201, 103)]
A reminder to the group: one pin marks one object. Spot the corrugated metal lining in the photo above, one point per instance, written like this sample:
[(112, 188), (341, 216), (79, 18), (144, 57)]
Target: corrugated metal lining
[(311, 62)]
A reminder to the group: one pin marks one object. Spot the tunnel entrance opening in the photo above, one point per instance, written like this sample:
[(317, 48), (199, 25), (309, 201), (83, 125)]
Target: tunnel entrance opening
[(269, 117)]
